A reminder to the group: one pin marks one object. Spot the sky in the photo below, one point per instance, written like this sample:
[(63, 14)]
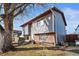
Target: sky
[(70, 10)]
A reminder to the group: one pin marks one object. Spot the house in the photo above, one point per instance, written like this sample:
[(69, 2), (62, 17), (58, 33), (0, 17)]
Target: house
[(71, 39), (48, 27), (16, 34), (77, 32)]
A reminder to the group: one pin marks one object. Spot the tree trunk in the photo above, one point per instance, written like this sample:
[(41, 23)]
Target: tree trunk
[(8, 24)]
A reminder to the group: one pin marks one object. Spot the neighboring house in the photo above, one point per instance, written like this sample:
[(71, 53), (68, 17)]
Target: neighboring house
[(2, 32), (48, 27), (71, 39), (16, 34)]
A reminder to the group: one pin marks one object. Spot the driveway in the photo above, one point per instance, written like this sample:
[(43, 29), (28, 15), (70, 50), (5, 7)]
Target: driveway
[(72, 51)]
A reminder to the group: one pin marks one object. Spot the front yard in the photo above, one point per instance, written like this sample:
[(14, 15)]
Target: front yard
[(34, 50)]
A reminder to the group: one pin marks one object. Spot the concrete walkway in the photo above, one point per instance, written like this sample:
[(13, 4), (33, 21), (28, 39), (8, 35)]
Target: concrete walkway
[(68, 51)]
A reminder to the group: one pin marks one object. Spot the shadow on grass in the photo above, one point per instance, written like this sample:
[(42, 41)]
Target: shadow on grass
[(37, 48)]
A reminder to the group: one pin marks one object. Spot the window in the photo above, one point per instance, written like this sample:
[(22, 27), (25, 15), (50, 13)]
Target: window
[(41, 22), (49, 17), (42, 38)]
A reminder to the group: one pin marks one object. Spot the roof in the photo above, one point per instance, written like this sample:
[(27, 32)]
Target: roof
[(17, 31), (71, 34), (44, 14)]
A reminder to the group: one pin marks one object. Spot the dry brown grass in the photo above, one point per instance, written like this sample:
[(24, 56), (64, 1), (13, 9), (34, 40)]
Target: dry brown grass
[(33, 50)]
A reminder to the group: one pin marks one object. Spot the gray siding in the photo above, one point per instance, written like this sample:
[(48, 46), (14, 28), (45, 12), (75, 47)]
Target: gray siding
[(42, 26), (50, 23), (59, 27)]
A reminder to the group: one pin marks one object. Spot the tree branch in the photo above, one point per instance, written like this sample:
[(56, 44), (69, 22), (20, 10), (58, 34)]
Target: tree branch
[(17, 8), (21, 11), (2, 15)]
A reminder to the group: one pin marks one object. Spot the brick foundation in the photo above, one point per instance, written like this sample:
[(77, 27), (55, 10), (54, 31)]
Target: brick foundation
[(50, 38), (36, 39)]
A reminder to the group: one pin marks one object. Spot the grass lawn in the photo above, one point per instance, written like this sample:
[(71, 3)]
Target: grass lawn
[(33, 50)]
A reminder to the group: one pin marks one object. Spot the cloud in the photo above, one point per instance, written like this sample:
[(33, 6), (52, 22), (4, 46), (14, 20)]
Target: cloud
[(72, 19)]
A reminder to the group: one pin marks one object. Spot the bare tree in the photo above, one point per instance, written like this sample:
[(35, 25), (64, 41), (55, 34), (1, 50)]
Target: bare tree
[(10, 12)]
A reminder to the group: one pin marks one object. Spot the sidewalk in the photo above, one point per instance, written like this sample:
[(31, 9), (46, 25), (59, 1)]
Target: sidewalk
[(69, 51)]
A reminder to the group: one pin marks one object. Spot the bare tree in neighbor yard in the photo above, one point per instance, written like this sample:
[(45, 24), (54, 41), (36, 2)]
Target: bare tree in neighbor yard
[(10, 12)]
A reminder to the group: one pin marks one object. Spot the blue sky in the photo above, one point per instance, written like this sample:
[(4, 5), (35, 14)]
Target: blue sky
[(71, 12)]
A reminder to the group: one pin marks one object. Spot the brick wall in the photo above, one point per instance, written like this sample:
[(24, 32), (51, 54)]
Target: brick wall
[(36, 39), (50, 39)]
